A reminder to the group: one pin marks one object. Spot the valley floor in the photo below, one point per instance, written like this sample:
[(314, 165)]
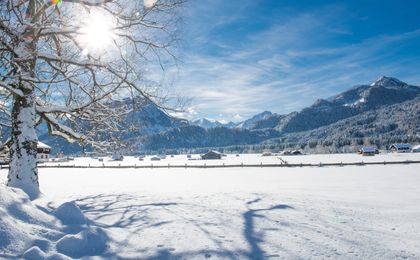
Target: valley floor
[(354, 212)]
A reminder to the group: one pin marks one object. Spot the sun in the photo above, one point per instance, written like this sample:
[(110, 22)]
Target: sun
[(96, 33)]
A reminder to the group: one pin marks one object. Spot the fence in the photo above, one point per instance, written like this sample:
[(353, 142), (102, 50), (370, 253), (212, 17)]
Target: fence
[(242, 165)]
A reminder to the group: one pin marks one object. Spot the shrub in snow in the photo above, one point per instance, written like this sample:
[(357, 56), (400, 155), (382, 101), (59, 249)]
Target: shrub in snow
[(70, 214), (92, 241)]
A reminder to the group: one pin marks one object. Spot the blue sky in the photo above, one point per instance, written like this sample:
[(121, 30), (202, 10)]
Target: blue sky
[(241, 57)]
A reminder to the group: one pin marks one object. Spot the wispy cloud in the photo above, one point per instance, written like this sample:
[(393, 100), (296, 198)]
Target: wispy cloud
[(286, 65)]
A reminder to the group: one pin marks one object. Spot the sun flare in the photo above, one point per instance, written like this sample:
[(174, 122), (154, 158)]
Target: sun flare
[(96, 33)]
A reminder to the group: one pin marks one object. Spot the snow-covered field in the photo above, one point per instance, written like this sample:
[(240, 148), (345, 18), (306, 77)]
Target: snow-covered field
[(233, 159), (353, 212)]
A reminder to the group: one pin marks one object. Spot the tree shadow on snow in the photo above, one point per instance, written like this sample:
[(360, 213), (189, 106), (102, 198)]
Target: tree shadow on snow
[(125, 212), (141, 225), (251, 234)]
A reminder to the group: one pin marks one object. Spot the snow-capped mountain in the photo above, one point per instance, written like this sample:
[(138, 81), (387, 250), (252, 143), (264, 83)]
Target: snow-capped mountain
[(361, 98), (246, 124), (383, 91), (250, 123), (142, 120), (206, 123), (150, 128), (383, 97), (149, 119)]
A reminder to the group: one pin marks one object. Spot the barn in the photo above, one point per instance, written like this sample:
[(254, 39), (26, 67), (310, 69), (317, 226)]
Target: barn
[(211, 155), (368, 151), (416, 149), (400, 148)]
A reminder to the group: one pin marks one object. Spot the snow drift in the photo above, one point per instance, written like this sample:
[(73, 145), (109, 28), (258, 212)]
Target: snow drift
[(42, 233)]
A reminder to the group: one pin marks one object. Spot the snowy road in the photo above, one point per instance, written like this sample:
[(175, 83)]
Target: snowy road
[(369, 212)]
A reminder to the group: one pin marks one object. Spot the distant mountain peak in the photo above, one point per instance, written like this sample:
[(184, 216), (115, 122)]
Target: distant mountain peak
[(209, 123), (387, 81), (321, 102), (249, 123)]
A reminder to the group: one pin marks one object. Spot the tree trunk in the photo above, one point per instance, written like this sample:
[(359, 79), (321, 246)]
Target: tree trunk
[(23, 172)]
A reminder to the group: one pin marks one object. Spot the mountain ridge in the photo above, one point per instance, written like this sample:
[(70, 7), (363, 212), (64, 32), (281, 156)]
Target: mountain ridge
[(155, 130)]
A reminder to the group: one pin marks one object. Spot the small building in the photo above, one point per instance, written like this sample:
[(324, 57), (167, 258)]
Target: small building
[(368, 151), (43, 151), (286, 152), (211, 155), (416, 149), (296, 152), (400, 148)]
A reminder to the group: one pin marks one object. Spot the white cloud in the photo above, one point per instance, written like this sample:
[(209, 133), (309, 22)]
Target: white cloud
[(238, 117)]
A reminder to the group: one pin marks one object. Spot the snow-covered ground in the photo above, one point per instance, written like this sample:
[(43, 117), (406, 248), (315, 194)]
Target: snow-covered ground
[(242, 158), (353, 212)]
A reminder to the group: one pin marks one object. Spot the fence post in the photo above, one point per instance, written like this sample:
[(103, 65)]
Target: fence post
[(185, 165), (103, 164)]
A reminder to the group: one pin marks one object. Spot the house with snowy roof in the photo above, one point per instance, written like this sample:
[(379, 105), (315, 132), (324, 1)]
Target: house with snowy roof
[(400, 148), (416, 149), (211, 155), (43, 151), (368, 151)]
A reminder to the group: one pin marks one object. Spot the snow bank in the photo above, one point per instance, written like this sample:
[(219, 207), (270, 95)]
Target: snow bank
[(22, 223), (92, 241), (30, 231), (70, 214), (35, 253)]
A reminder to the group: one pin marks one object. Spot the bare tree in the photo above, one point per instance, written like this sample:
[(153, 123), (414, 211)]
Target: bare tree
[(67, 62)]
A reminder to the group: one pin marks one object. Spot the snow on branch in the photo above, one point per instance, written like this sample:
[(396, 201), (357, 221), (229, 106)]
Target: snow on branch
[(58, 129), (11, 89), (79, 73)]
